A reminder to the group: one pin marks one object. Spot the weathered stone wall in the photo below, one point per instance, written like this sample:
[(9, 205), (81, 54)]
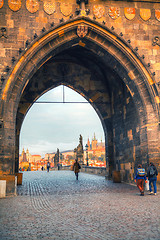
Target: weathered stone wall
[(22, 26), (126, 130)]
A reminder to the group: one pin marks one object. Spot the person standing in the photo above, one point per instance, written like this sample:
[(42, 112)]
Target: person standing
[(152, 177), (58, 165), (76, 167), (140, 177), (48, 166)]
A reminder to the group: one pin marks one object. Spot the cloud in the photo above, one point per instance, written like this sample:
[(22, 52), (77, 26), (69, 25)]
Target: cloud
[(47, 127)]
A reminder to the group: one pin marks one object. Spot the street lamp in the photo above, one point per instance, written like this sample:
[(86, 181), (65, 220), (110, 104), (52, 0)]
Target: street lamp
[(87, 154)]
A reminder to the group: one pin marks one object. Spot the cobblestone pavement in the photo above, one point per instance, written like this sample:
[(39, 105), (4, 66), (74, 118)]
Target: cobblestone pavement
[(55, 206)]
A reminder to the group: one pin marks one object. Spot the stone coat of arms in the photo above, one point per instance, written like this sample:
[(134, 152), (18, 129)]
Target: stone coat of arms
[(98, 11), (66, 9), (32, 5), (157, 14), (129, 13), (114, 12), (145, 14), (49, 6), (14, 5), (82, 31), (1, 3)]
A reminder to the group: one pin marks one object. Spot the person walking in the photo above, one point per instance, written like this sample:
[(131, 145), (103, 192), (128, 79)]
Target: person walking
[(48, 166), (59, 166), (76, 167), (152, 177), (140, 177)]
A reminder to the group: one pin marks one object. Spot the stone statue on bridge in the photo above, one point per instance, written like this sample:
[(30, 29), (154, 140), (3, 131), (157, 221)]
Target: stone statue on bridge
[(79, 150), (56, 158)]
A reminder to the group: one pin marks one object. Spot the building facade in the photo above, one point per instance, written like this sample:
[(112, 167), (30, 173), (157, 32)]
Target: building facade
[(95, 152)]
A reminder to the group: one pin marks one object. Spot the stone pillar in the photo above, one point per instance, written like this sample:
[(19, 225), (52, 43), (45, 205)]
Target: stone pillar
[(17, 154), (7, 152), (2, 188), (11, 184), (109, 149)]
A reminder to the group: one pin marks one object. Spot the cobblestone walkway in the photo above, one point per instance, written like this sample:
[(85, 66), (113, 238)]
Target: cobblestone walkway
[(55, 206)]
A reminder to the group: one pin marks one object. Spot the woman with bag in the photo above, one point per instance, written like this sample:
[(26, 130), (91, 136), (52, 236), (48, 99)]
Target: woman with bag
[(76, 167)]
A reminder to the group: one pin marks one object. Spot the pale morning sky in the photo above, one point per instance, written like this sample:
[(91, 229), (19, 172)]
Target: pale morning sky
[(48, 126)]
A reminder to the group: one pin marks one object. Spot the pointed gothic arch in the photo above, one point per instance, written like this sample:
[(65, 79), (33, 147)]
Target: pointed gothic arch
[(110, 65)]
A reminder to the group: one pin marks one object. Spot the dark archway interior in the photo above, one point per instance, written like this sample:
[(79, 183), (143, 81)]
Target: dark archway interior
[(87, 73)]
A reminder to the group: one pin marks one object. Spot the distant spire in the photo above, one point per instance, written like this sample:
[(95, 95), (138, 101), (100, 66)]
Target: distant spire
[(94, 137), (88, 143), (101, 142)]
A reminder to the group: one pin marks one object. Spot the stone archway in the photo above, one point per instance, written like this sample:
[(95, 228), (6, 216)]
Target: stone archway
[(118, 86)]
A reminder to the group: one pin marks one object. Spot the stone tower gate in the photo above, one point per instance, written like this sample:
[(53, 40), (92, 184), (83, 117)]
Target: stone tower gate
[(108, 51)]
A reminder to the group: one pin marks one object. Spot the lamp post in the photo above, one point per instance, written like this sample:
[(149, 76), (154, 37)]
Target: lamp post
[(87, 153)]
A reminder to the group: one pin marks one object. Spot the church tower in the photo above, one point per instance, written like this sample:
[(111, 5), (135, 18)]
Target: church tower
[(27, 154), (24, 159), (89, 145), (94, 142)]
